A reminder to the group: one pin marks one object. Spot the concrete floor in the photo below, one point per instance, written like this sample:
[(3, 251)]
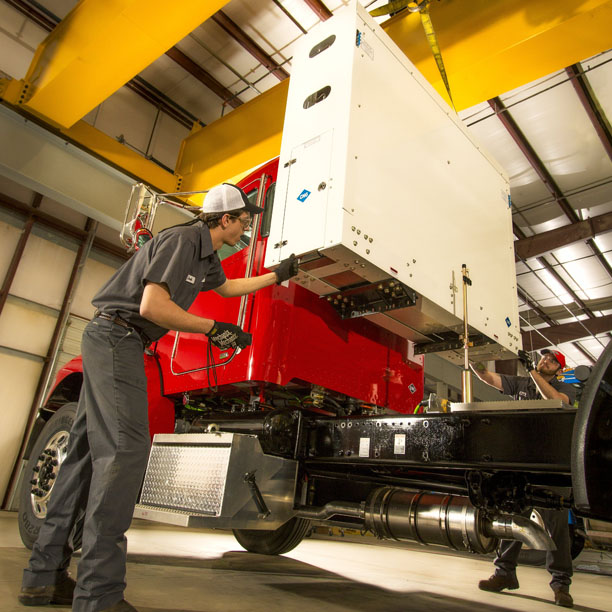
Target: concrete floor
[(177, 570)]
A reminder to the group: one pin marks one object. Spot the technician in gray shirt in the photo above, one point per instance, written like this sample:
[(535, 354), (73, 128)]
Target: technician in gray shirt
[(109, 440), (542, 383)]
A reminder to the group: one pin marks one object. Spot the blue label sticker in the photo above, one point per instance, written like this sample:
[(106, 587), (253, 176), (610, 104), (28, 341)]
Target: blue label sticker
[(302, 197), (412, 388), (508, 322), (569, 379), (569, 376), (509, 201)]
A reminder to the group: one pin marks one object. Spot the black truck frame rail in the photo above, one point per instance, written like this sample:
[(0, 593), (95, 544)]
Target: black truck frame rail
[(505, 456)]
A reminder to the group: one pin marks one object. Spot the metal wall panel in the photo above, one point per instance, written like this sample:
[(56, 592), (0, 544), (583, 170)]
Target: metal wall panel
[(14, 190), (95, 274), (126, 115), (19, 38), (167, 139), (19, 376), (43, 272), (26, 327), (64, 213), (9, 236), (30, 314)]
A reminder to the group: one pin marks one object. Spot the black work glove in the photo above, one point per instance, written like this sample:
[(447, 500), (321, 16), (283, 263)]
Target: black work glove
[(478, 367), (286, 269), (228, 335), (525, 358)]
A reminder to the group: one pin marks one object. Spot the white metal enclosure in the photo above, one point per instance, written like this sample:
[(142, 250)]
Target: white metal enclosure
[(379, 179)]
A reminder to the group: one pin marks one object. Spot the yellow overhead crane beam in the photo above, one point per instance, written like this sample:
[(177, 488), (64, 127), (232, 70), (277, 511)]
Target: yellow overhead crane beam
[(98, 47), (493, 46), (489, 47), (233, 143)]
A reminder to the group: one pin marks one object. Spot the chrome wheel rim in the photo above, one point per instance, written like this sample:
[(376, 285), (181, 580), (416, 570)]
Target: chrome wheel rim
[(45, 472)]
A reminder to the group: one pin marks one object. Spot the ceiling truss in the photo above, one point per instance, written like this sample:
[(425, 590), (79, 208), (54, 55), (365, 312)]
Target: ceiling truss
[(266, 60), (576, 227)]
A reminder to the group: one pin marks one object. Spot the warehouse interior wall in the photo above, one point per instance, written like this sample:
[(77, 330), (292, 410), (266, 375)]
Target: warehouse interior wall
[(33, 305)]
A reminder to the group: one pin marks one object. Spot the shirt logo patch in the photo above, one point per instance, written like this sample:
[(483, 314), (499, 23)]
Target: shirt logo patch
[(190, 279)]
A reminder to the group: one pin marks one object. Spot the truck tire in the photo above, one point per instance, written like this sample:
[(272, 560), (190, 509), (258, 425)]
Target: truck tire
[(276, 541), (40, 471)]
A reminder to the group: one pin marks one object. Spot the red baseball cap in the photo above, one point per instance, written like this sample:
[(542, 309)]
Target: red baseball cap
[(560, 357)]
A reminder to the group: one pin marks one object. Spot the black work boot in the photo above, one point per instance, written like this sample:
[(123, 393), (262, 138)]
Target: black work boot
[(120, 606), (563, 597), (60, 593), (497, 583)]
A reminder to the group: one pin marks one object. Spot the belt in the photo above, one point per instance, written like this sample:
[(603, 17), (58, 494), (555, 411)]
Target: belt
[(115, 318)]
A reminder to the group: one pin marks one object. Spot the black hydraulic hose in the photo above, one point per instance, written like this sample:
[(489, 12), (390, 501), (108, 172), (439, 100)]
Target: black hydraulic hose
[(405, 482)]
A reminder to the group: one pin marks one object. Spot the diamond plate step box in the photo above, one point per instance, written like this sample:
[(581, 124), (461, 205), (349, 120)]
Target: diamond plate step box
[(202, 480)]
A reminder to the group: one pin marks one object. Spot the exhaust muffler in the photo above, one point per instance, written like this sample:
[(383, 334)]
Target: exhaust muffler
[(446, 520), (436, 519)]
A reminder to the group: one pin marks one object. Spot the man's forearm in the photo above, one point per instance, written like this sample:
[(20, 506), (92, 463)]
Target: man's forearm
[(547, 391), (490, 378), (235, 287)]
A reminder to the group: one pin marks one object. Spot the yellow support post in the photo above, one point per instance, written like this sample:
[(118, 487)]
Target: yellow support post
[(100, 46)]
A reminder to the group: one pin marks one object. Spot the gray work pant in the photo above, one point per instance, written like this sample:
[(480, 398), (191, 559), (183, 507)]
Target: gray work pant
[(102, 472), (558, 562)]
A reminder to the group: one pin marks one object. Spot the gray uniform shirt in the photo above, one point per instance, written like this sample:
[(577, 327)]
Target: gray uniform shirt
[(182, 257), (523, 388)]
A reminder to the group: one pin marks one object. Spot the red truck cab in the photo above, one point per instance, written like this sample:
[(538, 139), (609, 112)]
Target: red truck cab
[(302, 352)]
